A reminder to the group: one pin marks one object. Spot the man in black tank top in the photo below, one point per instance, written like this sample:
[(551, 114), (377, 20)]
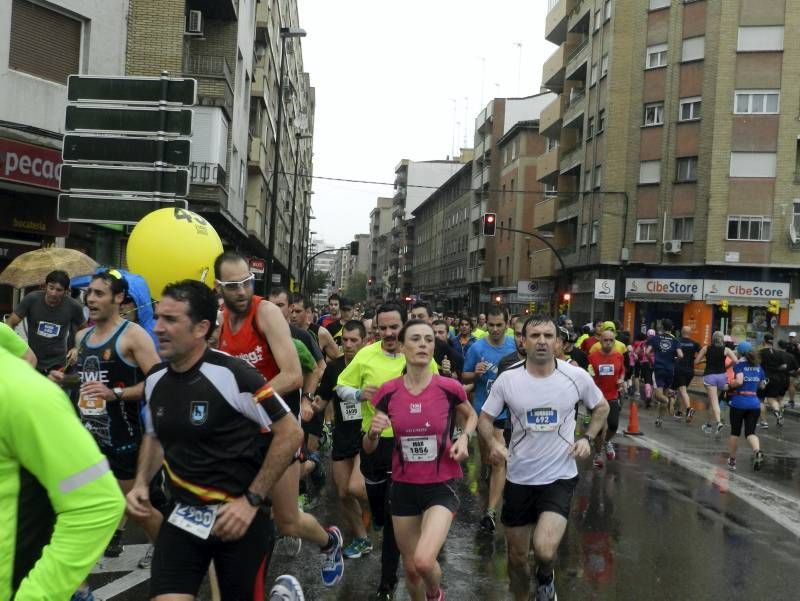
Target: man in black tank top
[(112, 357)]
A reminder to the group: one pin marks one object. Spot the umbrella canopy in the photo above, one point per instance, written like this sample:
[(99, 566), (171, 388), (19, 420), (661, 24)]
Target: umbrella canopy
[(31, 268)]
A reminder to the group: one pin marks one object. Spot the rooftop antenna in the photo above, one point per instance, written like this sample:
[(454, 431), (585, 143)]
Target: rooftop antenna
[(519, 68)]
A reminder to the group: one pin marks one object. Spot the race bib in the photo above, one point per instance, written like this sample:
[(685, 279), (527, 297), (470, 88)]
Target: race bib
[(542, 420), (45, 329), (606, 369), (419, 448), (351, 410), (197, 520), (92, 405)]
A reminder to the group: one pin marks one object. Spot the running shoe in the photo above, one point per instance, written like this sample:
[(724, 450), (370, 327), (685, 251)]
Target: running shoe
[(689, 415), (720, 427), (146, 561), (597, 462), (678, 415), (384, 594), (318, 474), (286, 588), (791, 404), (84, 595), (779, 417), (707, 428), (659, 421), (115, 546), (288, 545), (547, 592), (611, 453), (439, 596), (332, 560), (763, 425), (758, 460), (357, 548), (732, 464), (488, 521)]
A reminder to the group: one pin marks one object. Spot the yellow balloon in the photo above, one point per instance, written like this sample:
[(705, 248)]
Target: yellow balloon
[(168, 245)]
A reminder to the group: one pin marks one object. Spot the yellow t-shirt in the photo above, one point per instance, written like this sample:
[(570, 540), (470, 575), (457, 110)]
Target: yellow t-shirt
[(373, 367), (618, 346), (478, 333)]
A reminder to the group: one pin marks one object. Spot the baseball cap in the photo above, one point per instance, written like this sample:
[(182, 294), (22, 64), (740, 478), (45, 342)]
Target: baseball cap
[(609, 325), (744, 347)]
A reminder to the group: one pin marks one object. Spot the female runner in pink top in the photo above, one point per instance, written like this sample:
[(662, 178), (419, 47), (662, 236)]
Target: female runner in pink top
[(421, 408)]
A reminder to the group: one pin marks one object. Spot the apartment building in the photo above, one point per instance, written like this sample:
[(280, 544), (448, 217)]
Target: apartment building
[(41, 45), (673, 148), (380, 232)]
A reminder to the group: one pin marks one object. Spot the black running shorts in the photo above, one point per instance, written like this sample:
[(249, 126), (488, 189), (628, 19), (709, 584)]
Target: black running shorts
[(377, 466), (181, 560), (123, 465), (683, 377), (524, 503), (409, 499), (314, 425)]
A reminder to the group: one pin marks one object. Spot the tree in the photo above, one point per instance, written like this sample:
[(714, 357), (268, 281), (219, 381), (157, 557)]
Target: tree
[(315, 282), (357, 287)]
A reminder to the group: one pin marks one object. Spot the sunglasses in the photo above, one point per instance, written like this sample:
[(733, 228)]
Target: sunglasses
[(246, 282)]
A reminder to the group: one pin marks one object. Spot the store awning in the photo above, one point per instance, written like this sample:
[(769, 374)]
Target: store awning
[(658, 298), (744, 301)]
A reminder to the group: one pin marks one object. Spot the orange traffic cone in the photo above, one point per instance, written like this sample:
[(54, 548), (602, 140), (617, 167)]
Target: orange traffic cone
[(633, 421)]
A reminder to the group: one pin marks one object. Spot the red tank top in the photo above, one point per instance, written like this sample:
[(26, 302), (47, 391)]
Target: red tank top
[(248, 343)]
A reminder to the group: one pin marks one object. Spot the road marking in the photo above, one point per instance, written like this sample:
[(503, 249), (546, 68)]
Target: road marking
[(120, 585), (127, 562), (778, 506)]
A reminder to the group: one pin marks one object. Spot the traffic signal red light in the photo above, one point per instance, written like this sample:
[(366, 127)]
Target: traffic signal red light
[(498, 299), (489, 224), (567, 297)]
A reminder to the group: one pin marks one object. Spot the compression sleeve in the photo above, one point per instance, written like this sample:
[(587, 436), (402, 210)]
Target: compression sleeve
[(38, 427)]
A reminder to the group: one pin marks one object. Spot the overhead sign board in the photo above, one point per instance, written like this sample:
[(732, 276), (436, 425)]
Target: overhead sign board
[(110, 209), (133, 180), (534, 289), (129, 120), (131, 90), (754, 290), (109, 149), (604, 289), (665, 287)]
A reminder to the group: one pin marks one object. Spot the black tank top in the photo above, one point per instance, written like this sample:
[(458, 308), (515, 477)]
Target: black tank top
[(715, 360), (115, 425)]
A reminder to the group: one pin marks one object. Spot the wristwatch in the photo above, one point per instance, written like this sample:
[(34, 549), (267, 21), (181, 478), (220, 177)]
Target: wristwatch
[(256, 500), (308, 396), (117, 392)]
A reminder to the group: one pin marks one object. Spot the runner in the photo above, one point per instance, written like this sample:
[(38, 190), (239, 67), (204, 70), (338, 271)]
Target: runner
[(464, 340), (333, 308), (666, 351), (421, 408), (794, 349), (684, 370), (57, 492), (715, 378), (372, 367), (608, 370), (773, 361), (745, 406), (255, 329), (481, 367), (448, 359), (592, 338), (540, 395), (51, 318), (112, 357), (335, 327), (301, 315), (347, 441), (203, 419), (15, 345)]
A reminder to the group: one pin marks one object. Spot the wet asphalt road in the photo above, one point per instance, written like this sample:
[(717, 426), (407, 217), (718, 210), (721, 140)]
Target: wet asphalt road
[(665, 520)]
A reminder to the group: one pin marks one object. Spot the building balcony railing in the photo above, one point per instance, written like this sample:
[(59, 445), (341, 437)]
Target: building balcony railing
[(544, 214), (215, 79), (577, 57), (576, 106), (547, 166), (553, 69), (208, 174), (550, 118), (555, 29), (578, 17), (571, 159)]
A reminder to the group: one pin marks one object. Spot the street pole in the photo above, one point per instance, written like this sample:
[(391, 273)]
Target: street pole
[(298, 137)]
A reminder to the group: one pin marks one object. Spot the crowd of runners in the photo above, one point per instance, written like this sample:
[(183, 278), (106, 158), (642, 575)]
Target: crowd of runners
[(214, 419)]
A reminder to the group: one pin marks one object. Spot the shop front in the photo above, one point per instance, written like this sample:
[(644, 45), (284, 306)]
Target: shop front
[(649, 301), (747, 310)]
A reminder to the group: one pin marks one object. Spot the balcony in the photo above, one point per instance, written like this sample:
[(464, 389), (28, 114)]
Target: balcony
[(222, 10), (576, 106), (544, 214), (543, 263), (208, 174), (578, 18), (484, 146), (214, 79), (555, 28), (577, 59), (257, 155), (550, 118), (262, 20), (553, 69), (480, 178), (258, 86), (547, 166), (571, 159)]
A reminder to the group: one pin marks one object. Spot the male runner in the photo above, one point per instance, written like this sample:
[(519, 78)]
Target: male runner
[(540, 394), (112, 357), (370, 368), (608, 370), (203, 419), (347, 440), (666, 351), (593, 338), (301, 315), (481, 367), (59, 503), (441, 351), (254, 329), (464, 338), (335, 327), (774, 362), (333, 311), (684, 369)]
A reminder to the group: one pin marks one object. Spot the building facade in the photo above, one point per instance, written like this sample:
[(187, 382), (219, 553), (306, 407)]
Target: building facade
[(673, 148), (380, 232)]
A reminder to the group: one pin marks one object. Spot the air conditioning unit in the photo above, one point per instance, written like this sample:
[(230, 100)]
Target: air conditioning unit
[(672, 247), (194, 23)]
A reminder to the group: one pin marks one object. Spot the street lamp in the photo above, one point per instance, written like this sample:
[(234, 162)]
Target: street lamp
[(305, 244), (285, 33), (298, 136)]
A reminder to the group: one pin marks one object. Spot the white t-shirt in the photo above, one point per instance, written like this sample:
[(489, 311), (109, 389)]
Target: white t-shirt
[(542, 414)]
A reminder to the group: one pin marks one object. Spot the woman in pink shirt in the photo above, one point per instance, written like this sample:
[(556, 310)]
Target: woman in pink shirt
[(421, 408)]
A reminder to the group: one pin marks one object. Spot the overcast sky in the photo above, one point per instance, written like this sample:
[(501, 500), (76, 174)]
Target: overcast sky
[(405, 79)]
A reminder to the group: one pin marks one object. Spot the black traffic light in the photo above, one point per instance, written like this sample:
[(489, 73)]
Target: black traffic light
[(354, 248), (489, 224)]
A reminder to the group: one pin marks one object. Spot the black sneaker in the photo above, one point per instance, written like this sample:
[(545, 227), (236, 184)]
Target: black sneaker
[(779, 418), (488, 521), (732, 464), (546, 592), (689, 415), (659, 421), (385, 593), (758, 460), (115, 546), (678, 415), (720, 427)]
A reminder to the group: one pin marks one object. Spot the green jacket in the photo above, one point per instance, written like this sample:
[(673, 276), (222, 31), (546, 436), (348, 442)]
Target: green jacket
[(59, 502)]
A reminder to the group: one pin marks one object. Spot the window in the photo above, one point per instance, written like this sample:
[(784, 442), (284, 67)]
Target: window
[(604, 66), (593, 76), (686, 169), (646, 230), (760, 39), (654, 114), (597, 19), (753, 164), (607, 10), (43, 42), (694, 49), (656, 56), (749, 227), (595, 231), (589, 127), (584, 234), (598, 176), (587, 180), (550, 190), (690, 108), (756, 102), (601, 120), (796, 214), (656, 4), (649, 172), (551, 144), (683, 229)]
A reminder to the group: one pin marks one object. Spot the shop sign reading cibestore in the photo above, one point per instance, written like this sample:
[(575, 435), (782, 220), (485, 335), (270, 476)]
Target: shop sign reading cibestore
[(760, 290), (665, 287), (28, 164), (699, 289)]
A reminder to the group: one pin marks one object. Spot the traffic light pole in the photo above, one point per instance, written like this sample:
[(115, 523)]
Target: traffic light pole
[(538, 237), (314, 256)]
